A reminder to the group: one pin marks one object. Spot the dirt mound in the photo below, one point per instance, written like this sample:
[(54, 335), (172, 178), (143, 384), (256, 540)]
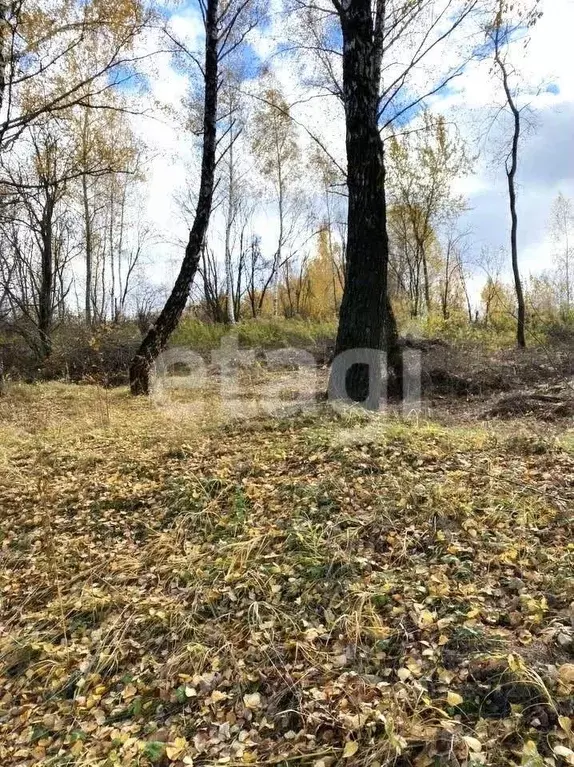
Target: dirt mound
[(545, 406)]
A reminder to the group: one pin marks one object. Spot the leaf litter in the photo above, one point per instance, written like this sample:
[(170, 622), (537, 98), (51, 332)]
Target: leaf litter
[(322, 589)]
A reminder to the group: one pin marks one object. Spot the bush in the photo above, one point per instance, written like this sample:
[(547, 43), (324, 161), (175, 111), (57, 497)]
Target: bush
[(99, 355), (103, 354), (256, 333)]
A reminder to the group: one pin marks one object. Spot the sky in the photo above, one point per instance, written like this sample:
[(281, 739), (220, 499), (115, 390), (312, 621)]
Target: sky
[(546, 163)]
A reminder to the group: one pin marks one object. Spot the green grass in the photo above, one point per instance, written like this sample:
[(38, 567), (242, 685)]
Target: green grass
[(263, 333)]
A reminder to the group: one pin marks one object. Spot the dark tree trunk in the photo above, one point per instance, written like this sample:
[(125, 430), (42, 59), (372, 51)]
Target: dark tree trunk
[(158, 335), (4, 48), (511, 168), (366, 319), (88, 246), (521, 316), (46, 289)]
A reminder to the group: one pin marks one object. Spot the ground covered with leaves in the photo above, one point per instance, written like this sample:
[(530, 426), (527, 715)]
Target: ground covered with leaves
[(325, 588)]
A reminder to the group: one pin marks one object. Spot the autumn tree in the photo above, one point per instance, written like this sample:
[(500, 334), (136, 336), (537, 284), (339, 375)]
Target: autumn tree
[(331, 243), (105, 141), (234, 184), (56, 55), (324, 288), (453, 285), (37, 234), (422, 165)]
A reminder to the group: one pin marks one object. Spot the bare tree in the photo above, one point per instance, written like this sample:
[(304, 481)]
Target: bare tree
[(375, 84), (276, 148), (562, 233), (226, 25), (37, 234), (507, 22)]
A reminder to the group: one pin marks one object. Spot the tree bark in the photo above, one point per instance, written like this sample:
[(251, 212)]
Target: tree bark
[(231, 203), (87, 223), (46, 291), (366, 318), (158, 335)]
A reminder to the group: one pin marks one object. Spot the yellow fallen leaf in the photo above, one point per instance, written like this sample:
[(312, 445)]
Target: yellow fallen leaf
[(473, 743), (77, 748), (566, 673), (252, 701), (566, 723), (426, 618), (454, 699), (129, 692), (351, 748), (99, 715), (175, 750), (217, 696)]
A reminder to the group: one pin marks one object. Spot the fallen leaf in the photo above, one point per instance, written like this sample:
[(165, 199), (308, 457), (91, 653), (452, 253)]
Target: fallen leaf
[(473, 743), (566, 673), (351, 748), (252, 701)]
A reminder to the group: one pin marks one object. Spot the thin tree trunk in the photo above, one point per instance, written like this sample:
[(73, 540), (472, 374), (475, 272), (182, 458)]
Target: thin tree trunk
[(446, 291), (87, 224), (4, 48), (46, 292), (521, 319), (279, 254), (123, 284), (228, 227), (331, 253), (366, 316), (427, 282), (113, 302), (567, 264), (158, 335), (511, 168), (88, 246)]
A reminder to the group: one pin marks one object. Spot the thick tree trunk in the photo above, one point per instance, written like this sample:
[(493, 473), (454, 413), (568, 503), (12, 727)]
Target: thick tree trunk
[(158, 335), (366, 320)]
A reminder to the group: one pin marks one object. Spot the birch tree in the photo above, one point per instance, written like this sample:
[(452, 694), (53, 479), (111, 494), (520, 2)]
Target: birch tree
[(276, 149), (226, 25), (512, 19), (562, 233), (48, 60), (423, 165), (38, 237), (377, 74)]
